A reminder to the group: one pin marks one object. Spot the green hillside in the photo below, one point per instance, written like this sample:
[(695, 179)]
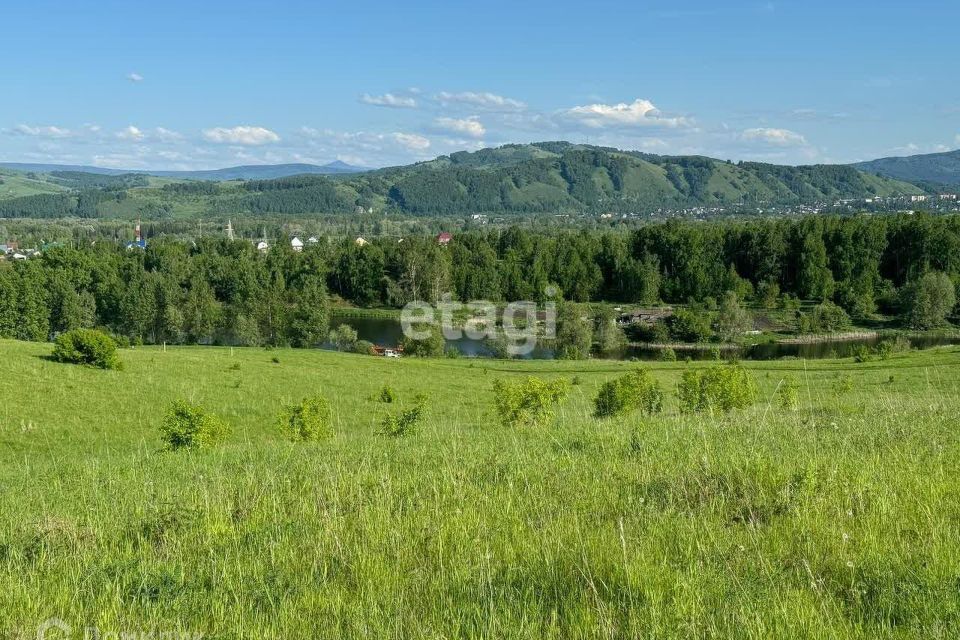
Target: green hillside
[(831, 516), (549, 177), (16, 184), (937, 168)]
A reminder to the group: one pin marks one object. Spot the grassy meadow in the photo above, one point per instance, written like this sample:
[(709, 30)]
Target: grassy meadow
[(839, 518)]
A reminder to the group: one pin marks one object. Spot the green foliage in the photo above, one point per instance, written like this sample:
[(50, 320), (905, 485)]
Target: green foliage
[(732, 320), (363, 347), (430, 347), (667, 354), (527, 403), (635, 390), (788, 394), (717, 389), (88, 347), (407, 421), (344, 337), (387, 394), (928, 300), (826, 317), (574, 333), (844, 384), (687, 325), (188, 426), (309, 420)]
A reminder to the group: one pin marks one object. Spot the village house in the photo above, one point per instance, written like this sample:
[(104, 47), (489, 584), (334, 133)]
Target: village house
[(444, 238), (360, 241), (296, 244), (645, 316)]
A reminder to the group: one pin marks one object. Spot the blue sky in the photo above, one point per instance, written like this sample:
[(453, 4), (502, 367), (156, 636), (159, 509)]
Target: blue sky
[(209, 84)]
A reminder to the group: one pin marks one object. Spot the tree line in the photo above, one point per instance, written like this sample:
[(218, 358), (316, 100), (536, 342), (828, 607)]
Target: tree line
[(214, 290)]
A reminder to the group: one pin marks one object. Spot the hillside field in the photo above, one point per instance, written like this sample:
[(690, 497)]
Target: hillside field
[(839, 518)]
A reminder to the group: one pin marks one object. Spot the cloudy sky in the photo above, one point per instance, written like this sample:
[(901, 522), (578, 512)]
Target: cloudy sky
[(180, 85)]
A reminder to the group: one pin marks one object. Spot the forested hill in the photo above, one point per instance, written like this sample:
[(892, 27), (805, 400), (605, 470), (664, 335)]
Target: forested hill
[(937, 168), (549, 177)]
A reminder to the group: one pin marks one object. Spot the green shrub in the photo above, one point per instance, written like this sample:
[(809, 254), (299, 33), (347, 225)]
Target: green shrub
[(387, 394), (862, 353), (789, 395), (844, 384), (309, 420), (722, 388), (429, 347), (407, 421), (188, 426), (635, 390), (667, 355), (689, 326), (344, 337), (529, 402), (364, 347), (87, 346)]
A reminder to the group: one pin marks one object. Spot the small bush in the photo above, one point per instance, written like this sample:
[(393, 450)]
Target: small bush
[(635, 390), (363, 347), (576, 381), (721, 388), (88, 347), (789, 395), (275, 360), (406, 422), (188, 426), (844, 384), (308, 421), (529, 402), (667, 355), (862, 353), (387, 395)]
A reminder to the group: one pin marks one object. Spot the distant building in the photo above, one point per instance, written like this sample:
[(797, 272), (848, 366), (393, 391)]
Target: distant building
[(19, 256), (312, 240), (139, 242), (360, 242), (263, 246), (444, 238), (296, 244), (918, 198), (948, 196)]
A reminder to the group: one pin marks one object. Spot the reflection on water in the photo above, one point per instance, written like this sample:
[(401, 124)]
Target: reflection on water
[(386, 332)]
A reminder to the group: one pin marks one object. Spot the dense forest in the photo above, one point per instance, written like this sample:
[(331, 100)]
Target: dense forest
[(215, 290), (552, 177)]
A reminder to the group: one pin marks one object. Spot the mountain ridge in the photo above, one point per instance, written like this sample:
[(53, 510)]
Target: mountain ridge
[(942, 168), (240, 172)]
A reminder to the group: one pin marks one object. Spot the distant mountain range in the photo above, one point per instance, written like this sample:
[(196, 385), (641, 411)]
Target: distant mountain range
[(929, 168), (246, 172)]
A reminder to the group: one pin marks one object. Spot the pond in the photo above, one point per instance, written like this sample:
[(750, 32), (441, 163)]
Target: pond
[(387, 332)]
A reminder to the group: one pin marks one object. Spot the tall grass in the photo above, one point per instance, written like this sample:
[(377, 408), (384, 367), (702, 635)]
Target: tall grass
[(839, 518)]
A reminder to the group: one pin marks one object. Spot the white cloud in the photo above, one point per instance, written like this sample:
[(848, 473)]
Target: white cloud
[(470, 126), (639, 113), (250, 136), (412, 141), (389, 100), (483, 100), (166, 135), (48, 131), (131, 133), (134, 77), (775, 137)]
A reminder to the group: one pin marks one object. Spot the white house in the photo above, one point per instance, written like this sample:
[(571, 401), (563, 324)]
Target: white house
[(263, 247), (360, 242), (296, 244)]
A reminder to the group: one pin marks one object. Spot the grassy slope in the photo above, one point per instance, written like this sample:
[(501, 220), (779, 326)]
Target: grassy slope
[(16, 184), (839, 519)]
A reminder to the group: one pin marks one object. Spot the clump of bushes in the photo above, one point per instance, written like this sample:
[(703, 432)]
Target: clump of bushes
[(528, 402), (307, 421), (88, 347), (635, 390), (363, 347), (721, 388), (407, 421), (188, 426), (826, 317)]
